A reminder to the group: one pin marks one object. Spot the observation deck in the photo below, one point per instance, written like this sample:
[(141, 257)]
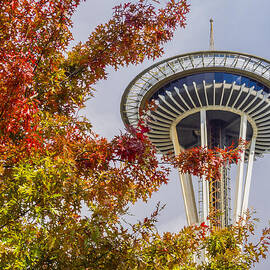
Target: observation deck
[(227, 85)]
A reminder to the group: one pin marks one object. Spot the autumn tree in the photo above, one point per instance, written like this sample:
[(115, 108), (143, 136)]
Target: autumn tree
[(53, 165)]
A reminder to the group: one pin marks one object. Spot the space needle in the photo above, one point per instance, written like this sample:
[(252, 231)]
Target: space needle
[(209, 99)]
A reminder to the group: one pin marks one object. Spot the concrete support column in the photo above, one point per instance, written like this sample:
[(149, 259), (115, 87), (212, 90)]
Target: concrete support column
[(248, 176), (205, 184), (186, 185), (240, 172)]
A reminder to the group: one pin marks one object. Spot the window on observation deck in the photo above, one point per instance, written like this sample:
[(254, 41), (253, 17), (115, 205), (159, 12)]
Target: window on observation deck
[(208, 77)]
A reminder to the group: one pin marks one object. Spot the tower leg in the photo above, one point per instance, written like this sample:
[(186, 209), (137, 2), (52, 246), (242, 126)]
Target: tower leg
[(205, 184), (248, 176), (186, 185), (189, 198), (240, 172)]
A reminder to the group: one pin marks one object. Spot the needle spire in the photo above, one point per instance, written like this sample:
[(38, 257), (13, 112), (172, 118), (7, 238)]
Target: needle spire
[(211, 35)]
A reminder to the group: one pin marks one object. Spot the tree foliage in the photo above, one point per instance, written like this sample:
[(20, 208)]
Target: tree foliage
[(53, 167), (200, 161)]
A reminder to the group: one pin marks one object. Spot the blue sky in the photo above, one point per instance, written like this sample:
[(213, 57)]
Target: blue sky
[(242, 26)]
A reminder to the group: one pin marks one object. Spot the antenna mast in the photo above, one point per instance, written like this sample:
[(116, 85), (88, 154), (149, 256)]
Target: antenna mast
[(211, 35)]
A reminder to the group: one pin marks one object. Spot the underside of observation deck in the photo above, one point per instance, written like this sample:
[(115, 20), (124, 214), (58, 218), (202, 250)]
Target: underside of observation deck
[(214, 80)]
